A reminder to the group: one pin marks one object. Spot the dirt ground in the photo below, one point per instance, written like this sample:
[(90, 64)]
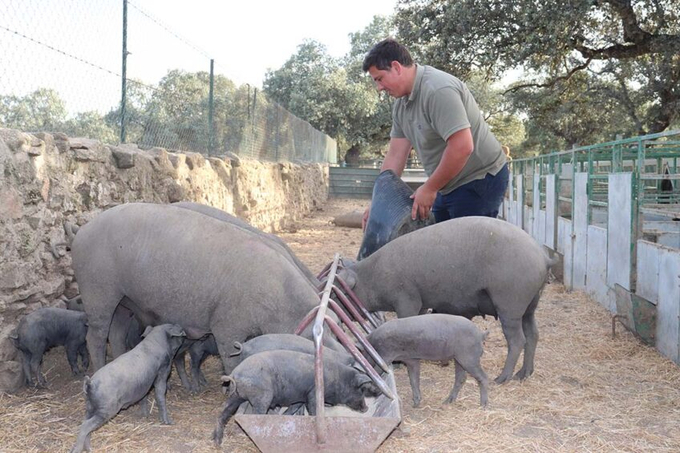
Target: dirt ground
[(590, 392)]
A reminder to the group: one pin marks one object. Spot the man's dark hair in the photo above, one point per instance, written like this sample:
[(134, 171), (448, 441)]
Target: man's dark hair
[(384, 53)]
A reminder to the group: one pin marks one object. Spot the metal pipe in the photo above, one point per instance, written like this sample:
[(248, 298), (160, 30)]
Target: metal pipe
[(344, 339), (306, 320), (318, 360), (352, 309), (345, 287), (357, 334), (325, 270)]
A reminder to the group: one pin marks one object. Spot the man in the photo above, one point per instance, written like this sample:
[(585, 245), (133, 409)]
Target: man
[(435, 113)]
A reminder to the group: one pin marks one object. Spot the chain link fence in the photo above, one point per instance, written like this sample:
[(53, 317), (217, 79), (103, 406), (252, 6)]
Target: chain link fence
[(63, 71)]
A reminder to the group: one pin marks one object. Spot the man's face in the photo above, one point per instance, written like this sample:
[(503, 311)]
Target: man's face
[(388, 79)]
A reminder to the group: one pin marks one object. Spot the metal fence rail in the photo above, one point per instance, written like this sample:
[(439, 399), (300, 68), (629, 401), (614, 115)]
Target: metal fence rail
[(103, 70), (654, 161), (612, 211)]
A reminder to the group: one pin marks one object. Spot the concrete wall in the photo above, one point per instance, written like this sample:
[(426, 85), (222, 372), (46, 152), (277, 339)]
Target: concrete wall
[(46, 180)]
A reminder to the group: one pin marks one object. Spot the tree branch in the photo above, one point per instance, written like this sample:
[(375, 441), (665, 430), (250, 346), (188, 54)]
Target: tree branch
[(631, 29), (650, 44), (552, 82)]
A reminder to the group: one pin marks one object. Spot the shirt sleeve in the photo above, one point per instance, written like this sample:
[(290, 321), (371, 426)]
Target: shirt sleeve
[(396, 131), (447, 112)]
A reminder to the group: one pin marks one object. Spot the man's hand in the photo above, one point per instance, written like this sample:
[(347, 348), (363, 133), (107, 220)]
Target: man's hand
[(364, 219), (423, 199)]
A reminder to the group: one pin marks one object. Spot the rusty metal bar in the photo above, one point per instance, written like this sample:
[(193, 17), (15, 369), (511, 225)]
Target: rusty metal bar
[(319, 389), (352, 309), (344, 339), (306, 320), (318, 360), (367, 346), (325, 271), (347, 343), (614, 318), (353, 297)]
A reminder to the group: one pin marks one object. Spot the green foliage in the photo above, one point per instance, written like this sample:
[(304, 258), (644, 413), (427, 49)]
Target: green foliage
[(173, 114), (510, 131), (579, 112), (629, 51), (92, 125), (335, 96), (41, 110), (497, 110), (44, 111)]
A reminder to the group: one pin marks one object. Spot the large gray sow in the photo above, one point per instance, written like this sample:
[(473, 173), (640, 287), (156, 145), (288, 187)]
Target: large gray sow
[(132, 329), (434, 337), (286, 378), (174, 265), (275, 242), (288, 342), (48, 327), (123, 322), (128, 379), (468, 266)]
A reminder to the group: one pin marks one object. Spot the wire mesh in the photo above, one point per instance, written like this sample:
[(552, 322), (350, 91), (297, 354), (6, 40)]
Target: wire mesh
[(62, 72)]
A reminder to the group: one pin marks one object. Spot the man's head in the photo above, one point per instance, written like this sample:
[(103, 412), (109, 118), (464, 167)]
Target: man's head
[(391, 67), (384, 53)]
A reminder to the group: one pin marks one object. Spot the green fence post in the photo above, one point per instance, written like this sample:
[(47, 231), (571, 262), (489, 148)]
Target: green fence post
[(211, 110), (123, 100)]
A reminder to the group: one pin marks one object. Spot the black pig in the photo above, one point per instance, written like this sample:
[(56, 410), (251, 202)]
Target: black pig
[(286, 378), (48, 327), (128, 379)]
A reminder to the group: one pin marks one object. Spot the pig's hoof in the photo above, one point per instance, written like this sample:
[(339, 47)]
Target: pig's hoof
[(195, 389), (502, 379), (416, 403), (522, 374), (217, 437)]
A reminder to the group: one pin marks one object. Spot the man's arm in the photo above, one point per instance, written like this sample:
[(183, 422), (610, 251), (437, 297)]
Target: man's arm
[(395, 160), (397, 155), (459, 147)]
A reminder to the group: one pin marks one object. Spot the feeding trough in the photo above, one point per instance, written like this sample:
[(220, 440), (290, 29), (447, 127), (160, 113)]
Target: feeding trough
[(333, 429)]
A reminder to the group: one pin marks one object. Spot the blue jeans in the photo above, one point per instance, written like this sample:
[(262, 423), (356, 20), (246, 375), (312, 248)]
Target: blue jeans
[(481, 197)]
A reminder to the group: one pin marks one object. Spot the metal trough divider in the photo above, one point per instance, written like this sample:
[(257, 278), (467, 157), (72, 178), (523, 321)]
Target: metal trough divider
[(333, 429)]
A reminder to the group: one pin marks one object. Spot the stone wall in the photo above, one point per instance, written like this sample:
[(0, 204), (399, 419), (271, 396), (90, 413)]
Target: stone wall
[(46, 180)]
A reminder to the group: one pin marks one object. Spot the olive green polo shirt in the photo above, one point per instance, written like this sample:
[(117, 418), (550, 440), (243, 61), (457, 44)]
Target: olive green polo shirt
[(439, 106)]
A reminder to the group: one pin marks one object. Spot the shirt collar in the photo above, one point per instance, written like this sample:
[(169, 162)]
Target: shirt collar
[(416, 83)]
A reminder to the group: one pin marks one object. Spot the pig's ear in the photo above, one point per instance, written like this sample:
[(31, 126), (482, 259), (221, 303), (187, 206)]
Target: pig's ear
[(177, 331), (147, 331), (347, 262), (15, 338), (359, 367), (368, 387), (349, 277), (361, 379)]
